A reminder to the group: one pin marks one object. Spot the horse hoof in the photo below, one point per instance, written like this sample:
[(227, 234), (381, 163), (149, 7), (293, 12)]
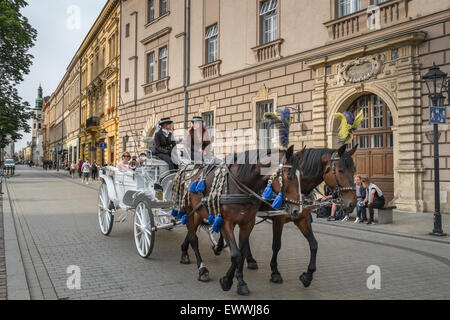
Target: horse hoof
[(276, 278), (243, 290), (225, 284), (216, 251), (203, 274), (185, 259), (252, 265), (305, 279)]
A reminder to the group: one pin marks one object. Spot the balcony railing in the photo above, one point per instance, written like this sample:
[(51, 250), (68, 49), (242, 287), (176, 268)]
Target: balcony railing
[(211, 70), (155, 86), (269, 51), (92, 122), (367, 20)]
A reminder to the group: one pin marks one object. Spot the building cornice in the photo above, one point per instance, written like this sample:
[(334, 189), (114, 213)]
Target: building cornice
[(156, 35)]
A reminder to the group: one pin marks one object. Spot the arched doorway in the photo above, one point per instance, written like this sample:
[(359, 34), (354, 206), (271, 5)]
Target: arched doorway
[(374, 158)]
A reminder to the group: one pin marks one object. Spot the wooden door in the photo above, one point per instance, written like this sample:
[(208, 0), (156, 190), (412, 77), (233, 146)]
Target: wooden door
[(374, 157)]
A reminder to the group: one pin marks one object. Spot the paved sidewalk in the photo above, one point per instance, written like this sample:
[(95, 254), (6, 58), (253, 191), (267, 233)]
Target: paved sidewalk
[(3, 293), (417, 225)]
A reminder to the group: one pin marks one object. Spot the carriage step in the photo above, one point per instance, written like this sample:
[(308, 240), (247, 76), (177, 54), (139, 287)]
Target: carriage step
[(265, 214)]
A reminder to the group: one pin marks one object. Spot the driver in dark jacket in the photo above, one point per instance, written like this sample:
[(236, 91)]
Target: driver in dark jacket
[(164, 142)]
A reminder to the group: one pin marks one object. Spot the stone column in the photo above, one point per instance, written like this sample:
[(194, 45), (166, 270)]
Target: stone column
[(409, 170), (319, 114)]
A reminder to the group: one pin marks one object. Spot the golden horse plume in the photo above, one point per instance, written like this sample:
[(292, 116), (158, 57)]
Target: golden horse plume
[(349, 123)]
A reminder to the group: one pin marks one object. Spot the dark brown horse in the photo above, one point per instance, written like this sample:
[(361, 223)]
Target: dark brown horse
[(336, 169), (244, 179)]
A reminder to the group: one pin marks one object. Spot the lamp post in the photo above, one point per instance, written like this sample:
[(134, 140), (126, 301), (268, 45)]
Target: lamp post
[(104, 133), (435, 80)]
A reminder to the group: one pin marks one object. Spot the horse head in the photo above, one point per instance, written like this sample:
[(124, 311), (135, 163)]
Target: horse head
[(338, 175), (287, 184)]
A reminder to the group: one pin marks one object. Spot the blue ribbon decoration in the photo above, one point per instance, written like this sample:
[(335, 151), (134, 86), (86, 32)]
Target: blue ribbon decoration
[(193, 187), (211, 218), (268, 192), (200, 186), (218, 223), (278, 201)]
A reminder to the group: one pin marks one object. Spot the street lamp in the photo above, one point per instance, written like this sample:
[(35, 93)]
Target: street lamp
[(104, 133), (435, 80)]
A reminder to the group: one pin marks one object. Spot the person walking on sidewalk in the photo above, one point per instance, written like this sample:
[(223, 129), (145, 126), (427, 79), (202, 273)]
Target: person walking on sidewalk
[(85, 168), (94, 171), (374, 198), (360, 196), (73, 168), (80, 165)]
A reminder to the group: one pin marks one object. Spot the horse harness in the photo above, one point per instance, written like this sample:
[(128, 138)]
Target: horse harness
[(219, 195)]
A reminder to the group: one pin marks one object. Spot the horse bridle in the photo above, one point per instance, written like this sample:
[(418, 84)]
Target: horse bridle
[(339, 189), (279, 174)]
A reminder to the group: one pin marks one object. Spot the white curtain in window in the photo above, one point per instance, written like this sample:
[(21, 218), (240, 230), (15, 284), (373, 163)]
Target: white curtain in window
[(211, 32), (163, 53), (268, 6), (346, 7)]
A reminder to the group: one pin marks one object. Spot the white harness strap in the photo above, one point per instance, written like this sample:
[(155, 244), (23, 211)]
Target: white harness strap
[(297, 173)]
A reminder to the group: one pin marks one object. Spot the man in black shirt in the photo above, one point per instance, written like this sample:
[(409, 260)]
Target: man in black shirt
[(164, 142)]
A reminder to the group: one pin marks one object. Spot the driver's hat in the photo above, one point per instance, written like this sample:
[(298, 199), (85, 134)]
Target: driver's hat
[(196, 118), (165, 120)]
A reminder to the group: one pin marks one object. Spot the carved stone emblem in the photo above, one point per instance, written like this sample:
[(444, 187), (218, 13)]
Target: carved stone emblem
[(360, 69)]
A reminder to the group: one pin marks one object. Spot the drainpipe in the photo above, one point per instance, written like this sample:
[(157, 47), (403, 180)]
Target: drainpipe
[(135, 56), (187, 51)]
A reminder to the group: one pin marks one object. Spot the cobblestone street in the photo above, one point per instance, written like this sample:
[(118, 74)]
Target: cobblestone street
[(56, 224)]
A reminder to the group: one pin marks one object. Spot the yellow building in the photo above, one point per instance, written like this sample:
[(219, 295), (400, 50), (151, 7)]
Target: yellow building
[(100, 61)]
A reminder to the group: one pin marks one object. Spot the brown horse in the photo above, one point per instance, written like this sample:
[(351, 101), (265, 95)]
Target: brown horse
[(336, 169), (248, 180)]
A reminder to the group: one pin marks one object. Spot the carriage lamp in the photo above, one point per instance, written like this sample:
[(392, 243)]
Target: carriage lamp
[(436, 82)]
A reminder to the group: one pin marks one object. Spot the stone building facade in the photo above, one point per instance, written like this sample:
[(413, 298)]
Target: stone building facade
[(100, 57), (36, 133), (71, 128), (254, 56)]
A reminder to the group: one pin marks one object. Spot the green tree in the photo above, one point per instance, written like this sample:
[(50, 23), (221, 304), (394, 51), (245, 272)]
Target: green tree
[(17, 37)]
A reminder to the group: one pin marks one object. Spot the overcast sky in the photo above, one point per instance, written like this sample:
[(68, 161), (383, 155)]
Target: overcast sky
[(60, 34)]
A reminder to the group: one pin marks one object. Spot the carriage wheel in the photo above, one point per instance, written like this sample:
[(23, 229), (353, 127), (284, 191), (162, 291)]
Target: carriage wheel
[(105, 217), (214, 237), (144, 235)]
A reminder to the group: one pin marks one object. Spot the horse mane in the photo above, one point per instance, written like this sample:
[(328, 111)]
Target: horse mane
[(311, 161), (252, 158)]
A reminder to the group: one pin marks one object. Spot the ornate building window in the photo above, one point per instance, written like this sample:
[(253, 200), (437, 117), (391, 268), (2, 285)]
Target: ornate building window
[(162, 63), (163, 7), (269, 20), (208, 119), (264, 133), (346, 7), (151, 11), (150, 67), (211, 44), (376, 127)]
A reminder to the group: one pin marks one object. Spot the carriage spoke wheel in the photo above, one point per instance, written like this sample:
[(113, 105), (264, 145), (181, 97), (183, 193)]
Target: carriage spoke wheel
[(105, 217), (144, 235)]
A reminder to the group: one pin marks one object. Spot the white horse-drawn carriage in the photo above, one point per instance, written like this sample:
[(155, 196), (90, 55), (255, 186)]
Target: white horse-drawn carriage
[(145, 192)]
